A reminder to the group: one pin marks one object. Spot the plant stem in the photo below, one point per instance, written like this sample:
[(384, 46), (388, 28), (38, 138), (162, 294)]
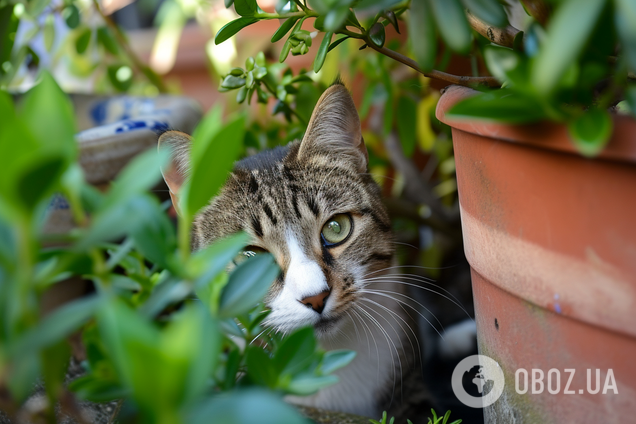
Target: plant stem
[(453, 79), (137, 62), (500, 36)]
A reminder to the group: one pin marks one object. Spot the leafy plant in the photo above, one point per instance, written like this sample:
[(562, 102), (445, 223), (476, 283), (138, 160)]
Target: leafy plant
[(435, 420), (167, 332), (564, 68)]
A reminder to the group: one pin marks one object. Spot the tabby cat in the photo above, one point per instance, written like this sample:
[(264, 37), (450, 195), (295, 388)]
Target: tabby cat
[(314, 207)]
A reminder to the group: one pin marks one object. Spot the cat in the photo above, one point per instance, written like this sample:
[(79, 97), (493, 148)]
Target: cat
[(313, 205)]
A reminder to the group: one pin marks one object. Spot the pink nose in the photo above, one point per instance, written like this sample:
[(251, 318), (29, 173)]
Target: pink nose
[(316, 302)]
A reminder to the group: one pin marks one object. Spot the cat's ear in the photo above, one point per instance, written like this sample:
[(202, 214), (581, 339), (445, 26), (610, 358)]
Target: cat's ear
[(334, 129), (176, 172)]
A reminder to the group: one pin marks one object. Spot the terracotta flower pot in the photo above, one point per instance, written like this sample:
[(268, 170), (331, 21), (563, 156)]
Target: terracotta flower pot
[(551, 240)]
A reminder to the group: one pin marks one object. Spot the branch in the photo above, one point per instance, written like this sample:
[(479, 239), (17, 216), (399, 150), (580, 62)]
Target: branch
[(466, 81), (123, 42), (501, 36), (415, 188)]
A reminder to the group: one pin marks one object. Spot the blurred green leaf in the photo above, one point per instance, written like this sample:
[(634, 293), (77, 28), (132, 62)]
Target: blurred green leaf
[(247, 285), (231, 28), (499, 106), (222, 149), (322, 52), (48, 112), (407, 123), (39, 180), (120, 76), (295, 351), (48, 32), (501, 61), (83, 40), (452, 24), (336, 359), (55, 359), (309, 384), (377, 34), (284, 28), (336, 16), (260, 367), (489, 11), (264, 408), (71, 15), (205, 264), (568, 33), (106, 39), (337, 43), (57, 325), (625, 17), (591, 131), (422, 34), (155, 236)]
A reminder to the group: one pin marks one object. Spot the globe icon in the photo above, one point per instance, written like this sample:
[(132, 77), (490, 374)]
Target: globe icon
[(476, 383)]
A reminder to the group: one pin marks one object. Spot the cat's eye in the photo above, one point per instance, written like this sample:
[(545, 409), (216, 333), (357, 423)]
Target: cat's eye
[(248, 252), (337, 229)]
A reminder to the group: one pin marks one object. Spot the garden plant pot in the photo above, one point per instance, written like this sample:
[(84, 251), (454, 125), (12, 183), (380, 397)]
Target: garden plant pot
[(551, 240)]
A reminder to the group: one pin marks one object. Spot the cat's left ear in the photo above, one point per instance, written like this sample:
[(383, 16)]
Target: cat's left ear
[(334, 129), (176, 172)]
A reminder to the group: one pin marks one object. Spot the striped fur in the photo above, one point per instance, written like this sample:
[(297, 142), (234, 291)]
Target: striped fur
[(282, 198)]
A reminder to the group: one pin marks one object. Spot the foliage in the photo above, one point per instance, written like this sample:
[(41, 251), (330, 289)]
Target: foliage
[(435, 420), (149, 342), (563, 68)]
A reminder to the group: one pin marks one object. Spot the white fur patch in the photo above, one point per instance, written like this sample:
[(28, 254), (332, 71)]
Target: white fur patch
[(304, 278)]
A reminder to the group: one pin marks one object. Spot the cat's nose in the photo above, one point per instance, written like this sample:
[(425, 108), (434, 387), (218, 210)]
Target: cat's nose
[(316, 302)]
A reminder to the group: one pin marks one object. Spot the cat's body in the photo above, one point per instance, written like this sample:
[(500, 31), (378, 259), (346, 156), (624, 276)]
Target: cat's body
[(315, 208)]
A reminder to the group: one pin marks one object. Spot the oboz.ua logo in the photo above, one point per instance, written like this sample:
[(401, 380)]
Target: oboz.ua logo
[(478, 381)]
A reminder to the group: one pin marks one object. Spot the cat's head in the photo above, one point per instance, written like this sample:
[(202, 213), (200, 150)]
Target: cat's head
[(312, 205)]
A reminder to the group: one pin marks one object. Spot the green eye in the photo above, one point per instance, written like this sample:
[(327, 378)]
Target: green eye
[(336, 229)]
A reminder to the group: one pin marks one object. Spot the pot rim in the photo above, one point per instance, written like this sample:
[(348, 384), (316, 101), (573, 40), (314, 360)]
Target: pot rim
[(545, 135)]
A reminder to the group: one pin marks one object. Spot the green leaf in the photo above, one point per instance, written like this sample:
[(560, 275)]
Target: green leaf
[(499, 106), (139, 175), (377, 34), (591, 131), (71, 16), (155, 236), (247, 285), (322, 52), (422, 34), (337, 43), (295, 352), (260, 367), (336, 17), (105, 38), (264, 408), (207, 263), (336, 359), (48, 112), (245, 7), (309, 384), (568, 33), (489, 11), (55, 326), (452, 24), (407, 123), (83, 40), (625, 17), (501, 63), (120, 76), (231, 28), (39, 181), (231, 82), (48, 32), (222, 150), (284, 28)]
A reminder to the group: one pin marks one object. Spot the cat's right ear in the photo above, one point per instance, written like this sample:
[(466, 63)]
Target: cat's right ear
[(176, 172)]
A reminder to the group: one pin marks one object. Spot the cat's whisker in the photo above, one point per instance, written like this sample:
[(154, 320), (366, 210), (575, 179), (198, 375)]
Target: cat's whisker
[(366, 327), (355, 326), (404, 266), (405, 244), (390, 343), (382, 293), (389, 279), (405, 323)]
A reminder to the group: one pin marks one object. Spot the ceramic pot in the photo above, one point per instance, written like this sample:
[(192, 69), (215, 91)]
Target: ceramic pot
[(551, 240)]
